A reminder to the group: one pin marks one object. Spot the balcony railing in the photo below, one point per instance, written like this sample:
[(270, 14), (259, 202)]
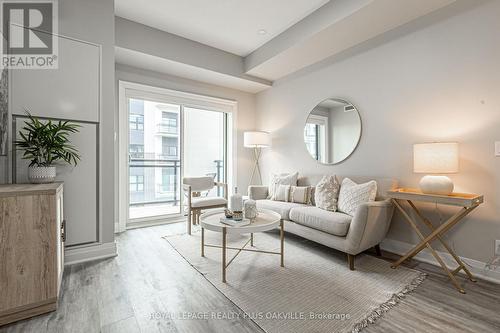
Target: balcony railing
[(152, 160), (150, 157), (170, 194), (166, 128), (166, 189)]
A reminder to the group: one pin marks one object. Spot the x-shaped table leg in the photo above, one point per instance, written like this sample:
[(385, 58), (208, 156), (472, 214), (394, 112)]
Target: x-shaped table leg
[(425, 241), (429, 224)]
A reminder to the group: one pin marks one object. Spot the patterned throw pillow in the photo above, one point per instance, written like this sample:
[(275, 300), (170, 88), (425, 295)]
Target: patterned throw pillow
[(352, 195), (282, 193), (301, 194), (281, 179), (326, 193)]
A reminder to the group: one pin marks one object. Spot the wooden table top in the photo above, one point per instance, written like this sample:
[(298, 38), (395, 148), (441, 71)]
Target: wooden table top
[(454, 199), (29, 189)]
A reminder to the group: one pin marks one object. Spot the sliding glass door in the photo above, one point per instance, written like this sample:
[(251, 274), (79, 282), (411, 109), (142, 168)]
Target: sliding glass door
[(166, 140), (154, 158), (205, 145)]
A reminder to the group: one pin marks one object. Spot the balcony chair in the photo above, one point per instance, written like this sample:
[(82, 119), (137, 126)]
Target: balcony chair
[(193, 186)]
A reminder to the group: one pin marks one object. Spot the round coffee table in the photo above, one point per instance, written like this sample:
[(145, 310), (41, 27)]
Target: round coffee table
[(266, 220)]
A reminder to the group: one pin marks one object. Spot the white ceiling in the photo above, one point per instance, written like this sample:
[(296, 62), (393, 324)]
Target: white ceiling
[(229, 25), (217, 41), (352, 22)]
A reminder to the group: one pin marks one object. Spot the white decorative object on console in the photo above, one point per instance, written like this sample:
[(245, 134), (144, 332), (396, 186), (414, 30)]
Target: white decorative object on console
[(436, 158), (41, 174), (256, 140)]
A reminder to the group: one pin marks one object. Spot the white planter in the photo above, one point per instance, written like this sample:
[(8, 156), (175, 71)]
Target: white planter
[(42, 175)]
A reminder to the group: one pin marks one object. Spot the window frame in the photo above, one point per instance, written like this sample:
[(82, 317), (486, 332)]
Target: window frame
[(128, 90)]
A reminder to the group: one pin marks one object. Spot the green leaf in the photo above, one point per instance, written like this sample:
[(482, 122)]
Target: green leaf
[(46, 142)]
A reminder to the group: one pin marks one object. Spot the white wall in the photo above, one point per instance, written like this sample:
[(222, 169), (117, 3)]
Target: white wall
[(244, 120), (438, 83), (93, 21)]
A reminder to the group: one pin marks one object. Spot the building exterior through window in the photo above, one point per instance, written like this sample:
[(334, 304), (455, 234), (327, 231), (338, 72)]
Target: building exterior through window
[(156, 132)]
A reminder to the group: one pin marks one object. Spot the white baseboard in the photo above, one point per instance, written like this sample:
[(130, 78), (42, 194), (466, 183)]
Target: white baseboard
[(89, 253), (119, 228), (477, 268)]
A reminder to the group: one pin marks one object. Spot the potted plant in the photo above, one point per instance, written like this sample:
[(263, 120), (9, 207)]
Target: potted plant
[(45, 143)]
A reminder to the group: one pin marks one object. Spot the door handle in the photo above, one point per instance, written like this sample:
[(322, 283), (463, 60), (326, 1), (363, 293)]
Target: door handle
[(63, 231)]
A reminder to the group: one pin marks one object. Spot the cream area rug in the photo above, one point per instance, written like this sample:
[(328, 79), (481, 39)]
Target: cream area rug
[(314, 292)]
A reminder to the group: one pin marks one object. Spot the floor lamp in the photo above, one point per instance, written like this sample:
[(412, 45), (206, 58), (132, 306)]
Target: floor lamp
[(256, 140)]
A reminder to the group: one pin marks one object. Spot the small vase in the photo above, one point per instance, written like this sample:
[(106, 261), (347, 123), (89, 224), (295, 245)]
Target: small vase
[(236, 201), (41, 175)]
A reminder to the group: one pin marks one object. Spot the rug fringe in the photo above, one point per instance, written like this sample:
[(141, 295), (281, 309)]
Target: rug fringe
[(386, 306)]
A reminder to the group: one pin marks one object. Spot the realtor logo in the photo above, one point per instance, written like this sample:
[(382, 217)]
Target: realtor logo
[(29, 31)]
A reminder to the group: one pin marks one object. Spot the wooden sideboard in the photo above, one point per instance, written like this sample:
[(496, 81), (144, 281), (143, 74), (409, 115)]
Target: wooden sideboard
[(32, 235)]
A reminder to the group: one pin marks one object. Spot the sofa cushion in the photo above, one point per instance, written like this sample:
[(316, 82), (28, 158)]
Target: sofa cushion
[(282, 193), (334, 223), (327, 193), (281, 179), (280, 207), (301, 194), (383, 184), (352, 195)]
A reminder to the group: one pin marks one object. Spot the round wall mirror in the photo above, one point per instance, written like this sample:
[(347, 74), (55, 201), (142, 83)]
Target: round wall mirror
[(332, 131)]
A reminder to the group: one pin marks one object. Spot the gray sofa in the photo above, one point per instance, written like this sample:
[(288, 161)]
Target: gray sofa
[(349, 234)]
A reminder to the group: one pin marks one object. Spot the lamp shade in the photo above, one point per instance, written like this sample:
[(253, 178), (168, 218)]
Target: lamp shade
[(437, 157), (257, 139)]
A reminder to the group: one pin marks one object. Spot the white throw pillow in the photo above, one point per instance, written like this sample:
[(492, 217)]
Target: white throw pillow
[(352, 195), (301, 194), (282, 193), (326, 193), (281, 179)]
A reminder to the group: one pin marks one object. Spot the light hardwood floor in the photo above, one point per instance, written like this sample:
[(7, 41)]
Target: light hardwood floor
[(136, 292)]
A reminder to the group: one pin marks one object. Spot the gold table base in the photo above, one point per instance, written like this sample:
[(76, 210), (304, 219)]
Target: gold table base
[(224, 248), (436, 233)]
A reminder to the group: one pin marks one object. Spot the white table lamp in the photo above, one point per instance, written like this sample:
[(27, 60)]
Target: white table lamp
[(436, 158), (256, 140)]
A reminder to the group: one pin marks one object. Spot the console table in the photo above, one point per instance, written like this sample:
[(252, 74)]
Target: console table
[(468, 202)]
